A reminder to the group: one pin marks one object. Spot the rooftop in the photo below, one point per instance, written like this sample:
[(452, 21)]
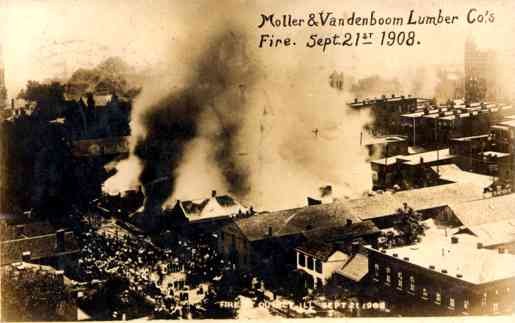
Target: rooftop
[(387, 203), (43, 246), (509, 123), (383, 140), (294, 221), (318, 249), (212, 207), (454, 174), (488, 210), (461, 261), (355, 269), (414, 159), (496, 233), (485, 136), (340, 233), (367, 102)]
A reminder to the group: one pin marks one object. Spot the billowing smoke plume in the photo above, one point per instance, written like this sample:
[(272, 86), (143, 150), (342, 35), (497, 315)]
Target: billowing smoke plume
[(210, 107), (268, 130)]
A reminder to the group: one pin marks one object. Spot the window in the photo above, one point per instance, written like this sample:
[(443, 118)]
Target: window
[(412, 283), (376, 271), (425, 295), (438, 298), (452, 303), (399, 280), (466, 305), (495, 307), (318, 266), (310, 263), (302, 260), (483, 299), (388, 278)]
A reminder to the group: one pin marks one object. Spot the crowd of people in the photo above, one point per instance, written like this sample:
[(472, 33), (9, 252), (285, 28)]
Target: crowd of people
[(139, 263), (160, 276)]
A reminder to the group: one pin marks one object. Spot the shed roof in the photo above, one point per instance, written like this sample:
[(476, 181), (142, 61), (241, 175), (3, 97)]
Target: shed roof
[(356, 268)]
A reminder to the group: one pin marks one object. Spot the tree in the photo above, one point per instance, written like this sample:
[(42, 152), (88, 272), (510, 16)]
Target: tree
[(43, 93), (409, 224)]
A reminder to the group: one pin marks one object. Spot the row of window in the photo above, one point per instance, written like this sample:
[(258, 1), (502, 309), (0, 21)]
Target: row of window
[(425, 294), (310, 263), (412, 287)]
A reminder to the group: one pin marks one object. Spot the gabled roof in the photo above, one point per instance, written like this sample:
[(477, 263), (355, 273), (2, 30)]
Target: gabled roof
[(294, 221), (217, 206)]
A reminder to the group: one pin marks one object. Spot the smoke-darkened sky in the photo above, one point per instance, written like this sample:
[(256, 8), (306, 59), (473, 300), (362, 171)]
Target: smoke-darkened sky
[(262, 124)]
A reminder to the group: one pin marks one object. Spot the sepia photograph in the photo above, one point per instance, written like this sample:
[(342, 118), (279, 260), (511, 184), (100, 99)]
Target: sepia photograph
[(257, 160)]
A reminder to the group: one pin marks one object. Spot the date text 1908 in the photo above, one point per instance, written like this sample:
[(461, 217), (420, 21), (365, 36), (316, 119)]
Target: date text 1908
[(385, 38)]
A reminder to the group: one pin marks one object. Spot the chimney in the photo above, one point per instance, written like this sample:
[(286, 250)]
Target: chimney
[(454, 240), (501, 250), (393, 96), (26, 256), (59, 236), (349, 222), (270, 231), (213, 193), (480, 245), (355, 100)]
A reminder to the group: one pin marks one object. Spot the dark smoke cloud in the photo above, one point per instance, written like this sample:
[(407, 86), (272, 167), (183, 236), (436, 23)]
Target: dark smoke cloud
[(216, 87)]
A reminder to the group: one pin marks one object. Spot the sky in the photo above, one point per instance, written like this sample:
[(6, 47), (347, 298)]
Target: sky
[(43, 39), (289, 99)]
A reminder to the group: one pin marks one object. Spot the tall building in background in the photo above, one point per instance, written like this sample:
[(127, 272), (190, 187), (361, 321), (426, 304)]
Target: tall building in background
[(480, 73)]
